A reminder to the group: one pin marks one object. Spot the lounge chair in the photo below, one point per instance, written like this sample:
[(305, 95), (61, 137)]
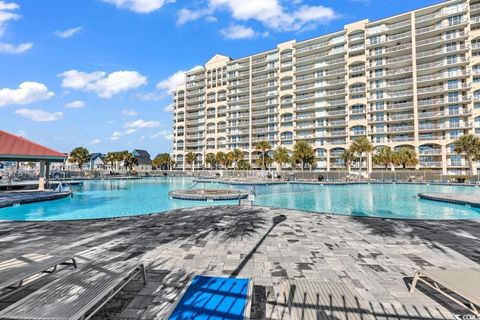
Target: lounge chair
[(213, 298), (455, 284), (313, 300), (79, 295), (14, 272)]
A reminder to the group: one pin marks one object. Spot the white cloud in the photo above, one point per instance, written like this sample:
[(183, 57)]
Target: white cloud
[(6, 15), (129, 113), (168, 108), (141, 124), (151, 96), (162, 134), (116, 135), (39, 115), (140, 6), (186, 15), (77, 104), (273, 14), (238, 32), (170, 84), (22, 133), (26, 93), (68, 33), (15, 49), (103, 85), (95, 141)]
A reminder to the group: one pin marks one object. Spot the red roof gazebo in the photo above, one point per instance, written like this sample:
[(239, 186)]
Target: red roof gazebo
[(16, 148)]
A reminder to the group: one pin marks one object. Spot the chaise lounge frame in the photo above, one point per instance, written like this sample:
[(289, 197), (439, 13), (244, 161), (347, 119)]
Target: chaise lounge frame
[(32, 306), (462, 283), (14, 279)]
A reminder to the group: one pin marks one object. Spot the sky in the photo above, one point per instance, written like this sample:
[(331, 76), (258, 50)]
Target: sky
[(98, 73)]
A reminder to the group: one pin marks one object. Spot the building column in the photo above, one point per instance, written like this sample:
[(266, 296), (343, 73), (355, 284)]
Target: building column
[(444, 159), (41, 179), (369, 163), (328, 160)]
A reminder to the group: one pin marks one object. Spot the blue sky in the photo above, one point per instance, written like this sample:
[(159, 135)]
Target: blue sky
[(97, 73)]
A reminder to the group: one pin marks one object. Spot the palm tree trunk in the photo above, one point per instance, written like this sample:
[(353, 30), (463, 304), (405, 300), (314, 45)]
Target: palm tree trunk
[(470, 165)]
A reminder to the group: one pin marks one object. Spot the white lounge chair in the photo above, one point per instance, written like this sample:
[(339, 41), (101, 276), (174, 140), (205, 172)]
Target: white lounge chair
[(455, 284), (14, 272), (76, 296)]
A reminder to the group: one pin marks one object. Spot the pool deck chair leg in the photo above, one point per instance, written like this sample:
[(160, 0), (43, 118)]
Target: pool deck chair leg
[(414, 282)]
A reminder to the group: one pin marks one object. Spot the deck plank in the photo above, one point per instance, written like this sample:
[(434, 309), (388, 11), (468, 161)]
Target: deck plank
[(316, 300)]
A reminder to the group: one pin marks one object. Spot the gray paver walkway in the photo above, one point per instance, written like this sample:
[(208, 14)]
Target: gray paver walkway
[(376, 257), (11, 198), (457, 198)]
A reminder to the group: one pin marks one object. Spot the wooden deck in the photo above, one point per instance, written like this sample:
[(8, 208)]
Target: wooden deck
[(316, 300)]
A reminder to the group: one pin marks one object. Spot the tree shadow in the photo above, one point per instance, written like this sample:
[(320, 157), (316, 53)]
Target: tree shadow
[(460, 236)]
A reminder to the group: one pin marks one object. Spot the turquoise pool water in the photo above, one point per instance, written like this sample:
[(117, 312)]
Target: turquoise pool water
[(106, 199)]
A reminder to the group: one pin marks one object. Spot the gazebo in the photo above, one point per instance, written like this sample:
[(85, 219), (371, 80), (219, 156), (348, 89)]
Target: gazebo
[(18, 149)]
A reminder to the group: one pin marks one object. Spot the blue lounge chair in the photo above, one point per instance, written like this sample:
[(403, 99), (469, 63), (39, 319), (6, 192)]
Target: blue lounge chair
[(214, 298)]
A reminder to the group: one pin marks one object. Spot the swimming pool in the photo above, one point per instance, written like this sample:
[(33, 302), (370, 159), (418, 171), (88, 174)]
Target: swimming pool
[(106, 199)]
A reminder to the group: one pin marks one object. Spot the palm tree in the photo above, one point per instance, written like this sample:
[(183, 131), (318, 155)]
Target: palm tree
[(110, 158), (243, 165), (469, 145), (362, 145), (162, 161), (211, 160), (228, 159), (384, 157), (281, 156), (221, 158), (129, 161), (303, 152), (190, 159), (348, 156), (237, 155), (263, 146), (80, 156), (406, 157), (119, 157)]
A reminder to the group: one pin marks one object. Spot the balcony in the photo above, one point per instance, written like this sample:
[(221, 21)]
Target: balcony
[(446, 100), (435, 89), (392, 72), (430, 164), (391, 49), (442, 63), (315, 46), (441, 26), (430, 152), (443, 13), (391, 83), (442, 38), (443, 75), (444, 50), (401, 128), (392, 95)]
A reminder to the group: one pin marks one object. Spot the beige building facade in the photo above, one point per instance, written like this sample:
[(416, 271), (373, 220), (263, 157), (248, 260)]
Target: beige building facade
[(411, 80)]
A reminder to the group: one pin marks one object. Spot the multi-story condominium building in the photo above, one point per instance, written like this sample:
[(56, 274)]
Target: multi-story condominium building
[(409, 80)]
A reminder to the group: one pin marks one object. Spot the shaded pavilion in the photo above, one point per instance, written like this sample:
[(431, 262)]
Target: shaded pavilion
[(18, 149)]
